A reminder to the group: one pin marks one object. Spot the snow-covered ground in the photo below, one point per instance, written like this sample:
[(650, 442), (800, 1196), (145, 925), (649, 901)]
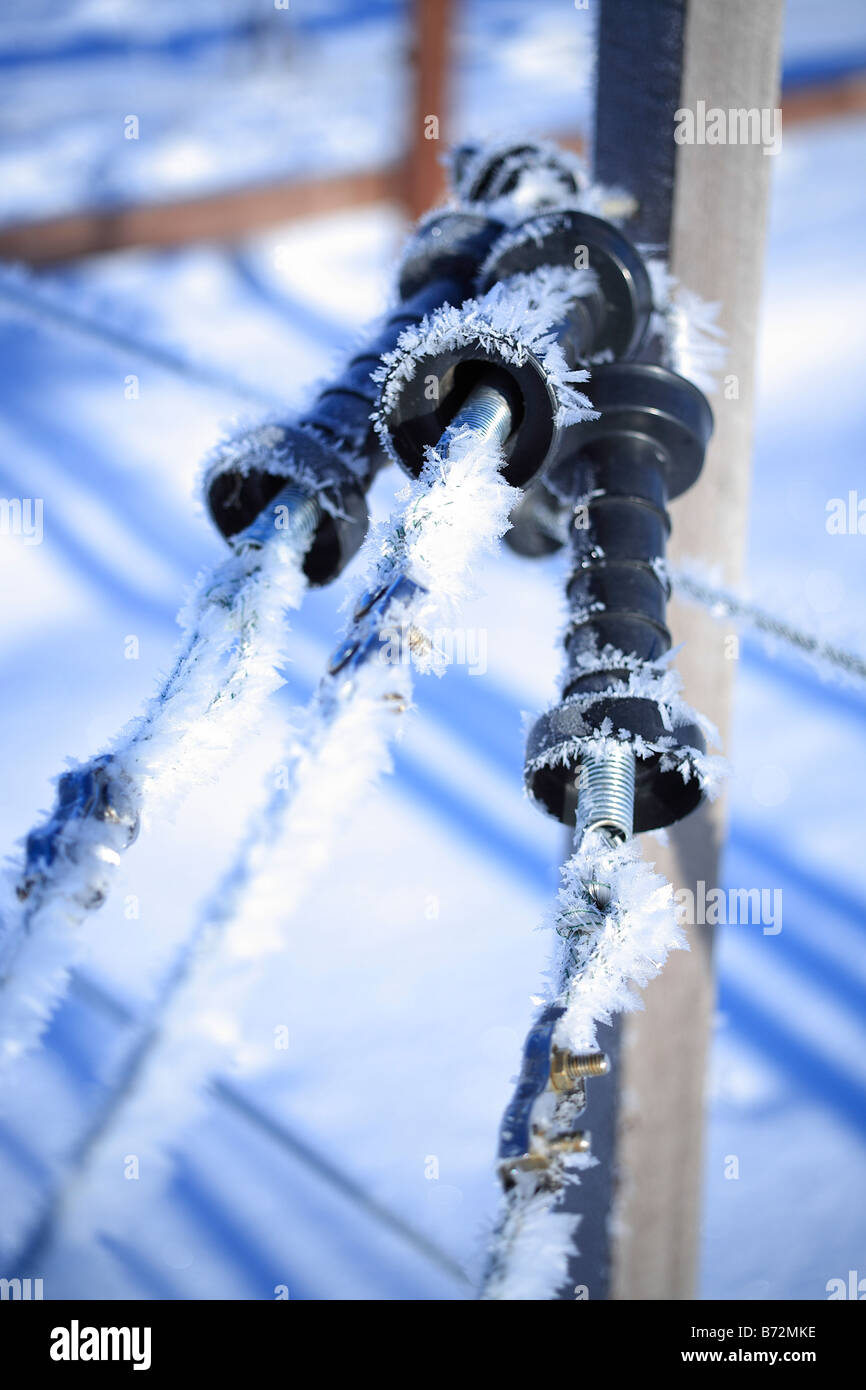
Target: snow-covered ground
[(359, 1164)]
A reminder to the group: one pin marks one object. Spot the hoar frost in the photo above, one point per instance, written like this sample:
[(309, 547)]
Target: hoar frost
[(234, 642), (445, 523)]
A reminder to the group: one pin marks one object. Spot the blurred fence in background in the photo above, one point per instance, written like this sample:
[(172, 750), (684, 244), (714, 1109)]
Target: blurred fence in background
[(154, 125)]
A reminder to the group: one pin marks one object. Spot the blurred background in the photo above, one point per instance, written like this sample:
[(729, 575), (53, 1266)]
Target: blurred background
[(221, 189)]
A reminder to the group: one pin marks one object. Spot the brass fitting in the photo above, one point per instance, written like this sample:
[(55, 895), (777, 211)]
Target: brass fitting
[(567, 1069), (577, 1143)]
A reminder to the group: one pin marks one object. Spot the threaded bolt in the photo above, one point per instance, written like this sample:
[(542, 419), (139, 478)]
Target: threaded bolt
[(294, 513), (568, 1068), (486, 412), (578, 1143), (606, 790)]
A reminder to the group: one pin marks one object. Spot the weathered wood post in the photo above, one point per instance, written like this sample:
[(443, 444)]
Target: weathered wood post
[(706, 204)]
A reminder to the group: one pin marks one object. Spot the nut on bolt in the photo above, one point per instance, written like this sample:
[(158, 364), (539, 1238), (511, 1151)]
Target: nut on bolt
[(578, 1143), (568, 1069)]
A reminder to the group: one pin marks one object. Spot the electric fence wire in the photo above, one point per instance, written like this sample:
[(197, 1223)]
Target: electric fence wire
[(614, 925), (226, 669), (420, 568), (725, 603), (339, 745), (233, 628), (222, 673)]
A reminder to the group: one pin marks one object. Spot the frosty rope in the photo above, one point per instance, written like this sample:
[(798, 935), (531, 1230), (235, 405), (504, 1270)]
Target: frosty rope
[(68, 861), (420, 568), (727, 603), (449, 518), (616, 924), (226, 668)]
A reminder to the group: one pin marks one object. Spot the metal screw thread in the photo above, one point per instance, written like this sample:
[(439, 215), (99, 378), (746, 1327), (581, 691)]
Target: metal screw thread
[(566, 1068), (606, 791), (579, 1064), (297, 524), (486, 412), (578, 1143)]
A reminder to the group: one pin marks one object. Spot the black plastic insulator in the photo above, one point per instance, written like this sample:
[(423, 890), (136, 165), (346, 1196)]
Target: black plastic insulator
[(418, 418), (333, 443), (484, 175), (439, 266), (662, 797), (615, 317), (236, 496), (612, 317), (620, 311), (615, 477)]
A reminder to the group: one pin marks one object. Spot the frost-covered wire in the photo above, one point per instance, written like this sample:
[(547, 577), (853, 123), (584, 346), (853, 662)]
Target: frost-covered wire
[(423, 561), (534, 1240), (626, 943), (615, 924), (446, 521), (690, 583), (227, 666)]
